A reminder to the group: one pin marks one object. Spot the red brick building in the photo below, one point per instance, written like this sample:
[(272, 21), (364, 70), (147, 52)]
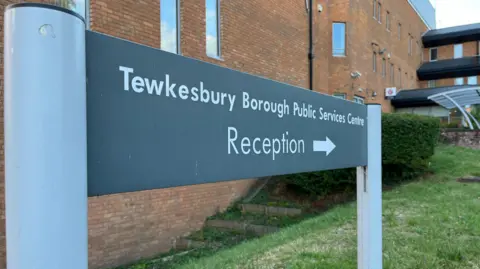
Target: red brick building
[(361, 47), (450, 63)]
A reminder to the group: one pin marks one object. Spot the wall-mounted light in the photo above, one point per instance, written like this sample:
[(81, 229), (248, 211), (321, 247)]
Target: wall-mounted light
[(355, 74)]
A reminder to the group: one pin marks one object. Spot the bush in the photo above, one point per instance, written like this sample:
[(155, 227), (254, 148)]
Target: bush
[(408, 143)]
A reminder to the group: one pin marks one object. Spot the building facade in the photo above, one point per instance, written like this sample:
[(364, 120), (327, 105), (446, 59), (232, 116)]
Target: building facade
[(451, 62), (360, 47)]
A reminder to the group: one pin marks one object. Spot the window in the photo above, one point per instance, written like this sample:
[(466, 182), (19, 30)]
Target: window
[(375, 9), (409, 44), (458, 51), (387, 21), (359, 99), (212, 14), (392, 73), (433, 54), (399, 31), (379, 12), (432, 83), (169, 22), (81, 7), (478, 48), (400, 77), (338, 38), (374, 62), (472, 80), (340, 95), (384, 67), (459, 81)]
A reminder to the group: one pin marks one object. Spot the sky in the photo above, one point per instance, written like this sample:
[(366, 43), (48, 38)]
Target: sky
[(456, 12)]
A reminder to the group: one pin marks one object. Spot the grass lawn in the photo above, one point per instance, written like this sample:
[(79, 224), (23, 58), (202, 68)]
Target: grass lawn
[(430, 223)]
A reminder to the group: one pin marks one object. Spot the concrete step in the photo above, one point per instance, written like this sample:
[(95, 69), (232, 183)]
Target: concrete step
[(270, 210), (186, 244), (241, 227)]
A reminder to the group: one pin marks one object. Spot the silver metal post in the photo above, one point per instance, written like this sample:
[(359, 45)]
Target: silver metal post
[(45, 138), (369, 195)]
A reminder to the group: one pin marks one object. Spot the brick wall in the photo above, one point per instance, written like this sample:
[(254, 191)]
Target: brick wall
[(263, 37), (127, 227), (461, 138), (366, 35), (447, 52)]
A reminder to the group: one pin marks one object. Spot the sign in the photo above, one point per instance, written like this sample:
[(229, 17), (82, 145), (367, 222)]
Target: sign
[(390, 92), (157, 119)]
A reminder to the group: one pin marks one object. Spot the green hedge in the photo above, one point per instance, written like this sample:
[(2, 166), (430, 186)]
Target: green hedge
[(408, 143)]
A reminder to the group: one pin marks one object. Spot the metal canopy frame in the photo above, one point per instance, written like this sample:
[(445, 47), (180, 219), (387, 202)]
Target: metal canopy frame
[(460, 98)]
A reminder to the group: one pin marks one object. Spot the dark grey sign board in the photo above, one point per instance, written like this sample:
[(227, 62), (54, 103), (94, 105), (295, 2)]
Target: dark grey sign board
[(158, 120)]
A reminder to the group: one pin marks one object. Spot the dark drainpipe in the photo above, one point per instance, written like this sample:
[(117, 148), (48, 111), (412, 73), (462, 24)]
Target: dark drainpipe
[(311, 55)]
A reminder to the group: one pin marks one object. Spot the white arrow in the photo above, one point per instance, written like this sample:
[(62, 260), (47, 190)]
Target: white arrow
[(326, 146)]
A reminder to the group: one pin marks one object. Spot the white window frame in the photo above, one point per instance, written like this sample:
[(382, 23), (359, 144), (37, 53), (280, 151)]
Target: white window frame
[(457, 54), (460, 81), (219, 32), (358, 99), (379, 12), (375, 9), (473, 80), (178, 20), (344, 54), (340, 95), (432, 84), (430, 54)]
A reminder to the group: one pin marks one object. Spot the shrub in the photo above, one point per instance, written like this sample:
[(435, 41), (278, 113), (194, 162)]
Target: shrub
[(409, 140), (408, 143)]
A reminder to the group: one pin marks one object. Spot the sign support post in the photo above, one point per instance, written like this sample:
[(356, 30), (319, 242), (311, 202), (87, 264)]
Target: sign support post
[(45, 138), (369, 195)]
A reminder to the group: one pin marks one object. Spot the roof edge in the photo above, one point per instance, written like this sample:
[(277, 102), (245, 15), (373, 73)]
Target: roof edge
[(430, 27)]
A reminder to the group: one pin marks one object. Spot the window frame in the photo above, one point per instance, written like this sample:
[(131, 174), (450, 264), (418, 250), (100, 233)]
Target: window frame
[(361, 98), (400, 77), (218, 55), (344, 39), (375, 9), (392, 73), (455, 46), (410, 49), (178, 27), (458, 79), (379, 12), (374, 61), (340, 95), (431, 84), (430, 54), (87, 14), (468, 80), (399, 30), (387, 21), (384, 68)]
